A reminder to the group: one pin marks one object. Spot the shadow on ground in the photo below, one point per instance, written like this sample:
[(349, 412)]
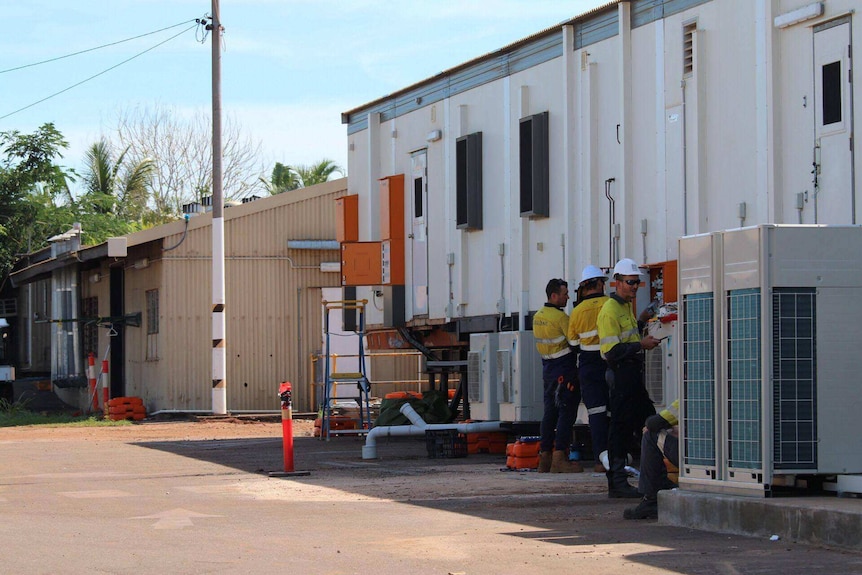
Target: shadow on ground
[(568, 510)]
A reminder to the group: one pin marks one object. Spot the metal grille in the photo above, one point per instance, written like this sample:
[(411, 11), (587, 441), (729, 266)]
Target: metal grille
[(90, 330), (744, 379), (794, 378), (654, 369), (8, 307), (504, 376), (474, 376), (698, 359)]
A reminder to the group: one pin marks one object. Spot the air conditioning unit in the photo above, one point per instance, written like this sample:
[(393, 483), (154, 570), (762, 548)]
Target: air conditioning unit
[(482, 377), (770, 375), (519, 377)]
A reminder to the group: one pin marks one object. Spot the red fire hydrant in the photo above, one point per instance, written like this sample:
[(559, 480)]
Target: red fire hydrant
[(287, 424)]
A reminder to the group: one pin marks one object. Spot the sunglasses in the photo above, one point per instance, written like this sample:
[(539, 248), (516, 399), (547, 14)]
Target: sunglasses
[(631, 282)]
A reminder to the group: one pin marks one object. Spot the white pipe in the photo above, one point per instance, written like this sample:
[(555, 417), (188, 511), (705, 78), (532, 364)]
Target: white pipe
[(419, 427)]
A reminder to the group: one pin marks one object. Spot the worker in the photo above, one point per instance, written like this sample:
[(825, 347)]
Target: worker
[(584, 339), (622, 347), (660, 441), (560, 377)]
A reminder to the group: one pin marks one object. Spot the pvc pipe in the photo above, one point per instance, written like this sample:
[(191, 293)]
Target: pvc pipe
[(419, 427)]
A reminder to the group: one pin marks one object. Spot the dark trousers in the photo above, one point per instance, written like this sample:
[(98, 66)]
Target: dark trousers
[(655, 447), (594, 389), (561, 398), (630, 405)]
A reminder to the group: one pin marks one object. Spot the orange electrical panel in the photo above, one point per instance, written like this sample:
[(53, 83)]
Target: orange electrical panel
[(392, 254), (392, 207), (361, 264), (347, 218), (666, 271)]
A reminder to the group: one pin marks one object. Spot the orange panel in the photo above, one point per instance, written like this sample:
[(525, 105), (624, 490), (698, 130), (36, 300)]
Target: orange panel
[(347, 218), (361, 264), (392, 254), (667, 270), (392, 207)]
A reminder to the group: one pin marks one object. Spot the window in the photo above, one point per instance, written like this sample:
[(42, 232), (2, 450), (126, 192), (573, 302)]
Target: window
[(831, 93), (468, 182), (90, 331), (417, 197), (688, 48), (152, 324), (534, 166)]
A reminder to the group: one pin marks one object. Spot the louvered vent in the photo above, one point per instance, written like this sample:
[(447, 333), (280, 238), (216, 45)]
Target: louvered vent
[(474, 376)]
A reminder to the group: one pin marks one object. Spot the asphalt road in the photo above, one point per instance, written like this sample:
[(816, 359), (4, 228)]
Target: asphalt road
[(93, 506)]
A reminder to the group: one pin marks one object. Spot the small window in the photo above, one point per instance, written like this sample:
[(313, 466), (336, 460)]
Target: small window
[(831, 93), (688, 48), (468, 182), (417, 197), (152, 324), (534, 166)]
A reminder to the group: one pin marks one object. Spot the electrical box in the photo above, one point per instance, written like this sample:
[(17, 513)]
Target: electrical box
[(392, 208), (519, 377), (361, 264), (347, 218), (117, 247), (770, 376), (481, 376), (392, 260)]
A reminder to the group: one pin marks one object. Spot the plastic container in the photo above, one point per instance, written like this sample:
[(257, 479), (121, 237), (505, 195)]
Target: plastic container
[(445, 444)]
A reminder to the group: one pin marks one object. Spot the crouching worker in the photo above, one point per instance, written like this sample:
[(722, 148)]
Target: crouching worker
[(560, 377), (659, 442)]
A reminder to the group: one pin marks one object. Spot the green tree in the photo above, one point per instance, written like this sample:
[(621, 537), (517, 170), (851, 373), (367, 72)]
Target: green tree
[(318, 172), (283, 179), (116, 187)]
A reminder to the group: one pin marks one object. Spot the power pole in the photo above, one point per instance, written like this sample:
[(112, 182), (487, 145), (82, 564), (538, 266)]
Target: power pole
[(219, 367)]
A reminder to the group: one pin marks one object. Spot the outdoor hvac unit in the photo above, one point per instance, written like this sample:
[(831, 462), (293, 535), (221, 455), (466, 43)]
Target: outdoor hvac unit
[(770, 369), (519, 377), (481, 377)]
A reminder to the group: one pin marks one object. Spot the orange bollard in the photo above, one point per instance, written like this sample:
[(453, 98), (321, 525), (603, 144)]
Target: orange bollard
[(287, 425), (287, 432), (91, 375)]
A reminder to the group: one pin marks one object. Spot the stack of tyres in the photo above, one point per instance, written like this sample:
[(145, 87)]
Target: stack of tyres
[(120, 408), (523, 454)]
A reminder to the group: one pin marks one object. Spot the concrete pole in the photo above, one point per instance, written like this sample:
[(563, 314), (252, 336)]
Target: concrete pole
[(219, 367)]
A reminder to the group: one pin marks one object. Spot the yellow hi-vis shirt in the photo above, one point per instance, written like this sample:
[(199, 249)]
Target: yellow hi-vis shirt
[(616, 324), (549, 329), (583, 330)]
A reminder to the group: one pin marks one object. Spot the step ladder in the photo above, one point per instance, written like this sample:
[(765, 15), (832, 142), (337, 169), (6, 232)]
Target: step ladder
[(333, 379)]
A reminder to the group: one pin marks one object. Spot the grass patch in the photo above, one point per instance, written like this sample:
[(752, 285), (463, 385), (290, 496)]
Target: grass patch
[(16, 414)]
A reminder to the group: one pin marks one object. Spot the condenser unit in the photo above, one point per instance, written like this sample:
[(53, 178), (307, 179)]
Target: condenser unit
[(482, 377), (519, 377), (769, 373)]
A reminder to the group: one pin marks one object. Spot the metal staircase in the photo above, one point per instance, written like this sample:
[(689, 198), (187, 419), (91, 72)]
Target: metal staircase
[(333, 379)]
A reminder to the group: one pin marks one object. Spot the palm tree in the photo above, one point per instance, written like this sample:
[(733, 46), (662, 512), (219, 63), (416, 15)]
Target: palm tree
[(283, 179), (318, 172), (115, 186)]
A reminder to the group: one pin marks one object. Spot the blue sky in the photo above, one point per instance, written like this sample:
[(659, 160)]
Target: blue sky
[(289, 67)]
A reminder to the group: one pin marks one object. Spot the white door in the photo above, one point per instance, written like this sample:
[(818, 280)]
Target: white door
[(418, 190), (834, 194)]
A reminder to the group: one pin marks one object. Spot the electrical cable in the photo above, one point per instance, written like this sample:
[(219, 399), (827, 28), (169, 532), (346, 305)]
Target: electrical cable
[(97, 75), (93, 49)]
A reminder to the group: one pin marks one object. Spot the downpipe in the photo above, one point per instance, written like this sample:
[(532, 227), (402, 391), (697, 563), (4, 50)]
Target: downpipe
[(419, 427)]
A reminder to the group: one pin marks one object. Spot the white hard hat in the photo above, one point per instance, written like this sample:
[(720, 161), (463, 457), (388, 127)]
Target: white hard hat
[(591, 273), (626, 267)]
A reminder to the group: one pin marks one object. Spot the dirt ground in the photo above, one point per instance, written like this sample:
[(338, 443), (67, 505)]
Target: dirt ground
[(192, 428)]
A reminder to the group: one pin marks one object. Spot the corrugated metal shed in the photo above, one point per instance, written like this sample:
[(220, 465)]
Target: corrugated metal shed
[(273, 303)]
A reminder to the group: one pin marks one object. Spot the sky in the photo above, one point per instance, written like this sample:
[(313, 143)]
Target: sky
[(289, 68)]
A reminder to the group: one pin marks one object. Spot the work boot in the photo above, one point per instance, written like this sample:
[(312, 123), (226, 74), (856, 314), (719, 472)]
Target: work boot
[(560, 464), (618, 484), (646, 509), (544, 462)]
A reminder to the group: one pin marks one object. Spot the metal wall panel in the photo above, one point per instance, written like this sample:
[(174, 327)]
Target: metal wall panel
[(272, 305)]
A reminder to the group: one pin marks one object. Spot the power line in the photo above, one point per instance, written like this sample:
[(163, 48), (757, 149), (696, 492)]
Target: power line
[(97, 75), (93, 49)]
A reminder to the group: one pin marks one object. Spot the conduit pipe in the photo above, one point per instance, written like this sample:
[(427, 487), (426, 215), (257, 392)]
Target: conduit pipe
[(419, 427)]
